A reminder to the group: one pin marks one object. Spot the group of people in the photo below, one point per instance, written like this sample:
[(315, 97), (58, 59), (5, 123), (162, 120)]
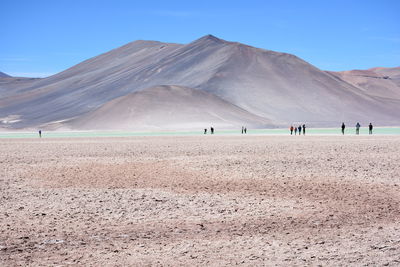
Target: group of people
[(211, 130), (299, 129), (303, 128), (292, 129), (358, 126), (244, 130)]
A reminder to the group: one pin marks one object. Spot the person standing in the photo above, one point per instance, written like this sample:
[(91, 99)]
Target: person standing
[(358, 128), (245, 130), (343, 127), (40, 133), (370, 127), (299, 129), (295, 130), (242, 129), (304, 129), (291, 130), (205, 131), (212, 130)]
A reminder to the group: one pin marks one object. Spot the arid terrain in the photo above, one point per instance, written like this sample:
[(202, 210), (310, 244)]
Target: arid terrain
[(200, 200)]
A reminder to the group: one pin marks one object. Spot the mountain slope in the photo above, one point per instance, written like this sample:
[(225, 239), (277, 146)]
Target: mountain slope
[(85, 86), (3, 75), (167, 107), (269, 84), (13, 86)]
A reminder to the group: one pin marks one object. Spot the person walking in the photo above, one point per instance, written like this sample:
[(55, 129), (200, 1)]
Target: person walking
[(291, 130), (304, 129), (343, 127), (358, 128), (370, 127)]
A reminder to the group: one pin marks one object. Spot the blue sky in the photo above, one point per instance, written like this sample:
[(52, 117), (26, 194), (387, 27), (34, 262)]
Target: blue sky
[(39, 38)]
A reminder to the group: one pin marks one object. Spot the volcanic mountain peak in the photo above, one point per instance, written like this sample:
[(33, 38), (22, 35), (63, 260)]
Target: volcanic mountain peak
[(268, 84), (236, 47), (210, 37)]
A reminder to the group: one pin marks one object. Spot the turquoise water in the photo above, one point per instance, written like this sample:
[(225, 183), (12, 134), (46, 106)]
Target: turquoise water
[(310, 131)]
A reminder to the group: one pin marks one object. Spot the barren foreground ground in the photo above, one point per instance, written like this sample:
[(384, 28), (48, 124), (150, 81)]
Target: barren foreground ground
[(201, 200)]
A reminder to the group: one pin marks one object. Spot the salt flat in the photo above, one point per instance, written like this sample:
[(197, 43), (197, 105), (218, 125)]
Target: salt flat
[(196, 200)]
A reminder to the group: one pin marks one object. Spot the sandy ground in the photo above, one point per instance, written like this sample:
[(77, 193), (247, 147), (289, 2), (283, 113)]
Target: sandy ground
[(205, 200)]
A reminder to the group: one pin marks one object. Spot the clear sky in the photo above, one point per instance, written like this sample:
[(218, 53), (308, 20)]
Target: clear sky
[(39, 38)]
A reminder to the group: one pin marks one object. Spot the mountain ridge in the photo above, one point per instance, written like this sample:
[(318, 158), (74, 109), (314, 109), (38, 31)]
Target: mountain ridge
[(4, 75), (274, 85), (378, 81)]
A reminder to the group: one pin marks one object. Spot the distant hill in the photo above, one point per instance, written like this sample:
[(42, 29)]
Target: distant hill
[(279, 87), (167, 107), (382, 82)]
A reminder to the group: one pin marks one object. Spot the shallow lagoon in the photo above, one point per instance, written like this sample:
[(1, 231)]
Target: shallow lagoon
[(309, 131)]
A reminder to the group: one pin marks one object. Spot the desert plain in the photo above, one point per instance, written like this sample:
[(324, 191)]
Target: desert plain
[(200, 200)]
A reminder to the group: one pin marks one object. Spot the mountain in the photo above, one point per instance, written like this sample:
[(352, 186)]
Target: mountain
[(167, 107), (381, 82), (280, 87), (3, 75)]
